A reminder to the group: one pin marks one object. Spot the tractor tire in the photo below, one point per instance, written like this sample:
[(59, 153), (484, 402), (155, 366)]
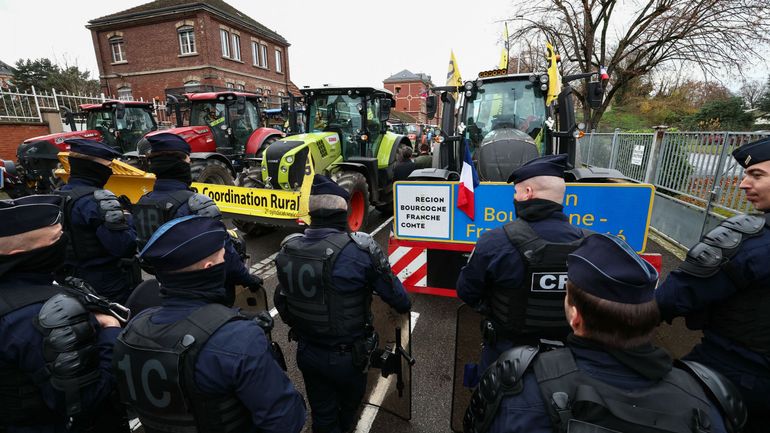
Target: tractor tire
[(358, 207), (251, 228), (211, 171)]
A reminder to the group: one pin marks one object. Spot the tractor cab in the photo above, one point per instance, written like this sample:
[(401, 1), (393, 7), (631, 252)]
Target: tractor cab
[(231, 117), (121, 124), (357, 115)]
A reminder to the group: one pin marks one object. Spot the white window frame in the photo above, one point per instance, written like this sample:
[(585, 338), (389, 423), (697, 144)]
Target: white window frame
[(236, 47), (125, 94), (224, 36), (241, 87), (278, 61), (254, 53), (119, 55), (187, 40), (230, 85), (263, 56)]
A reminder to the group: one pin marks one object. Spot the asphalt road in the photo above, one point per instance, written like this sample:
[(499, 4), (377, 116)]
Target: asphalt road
[(433, 337)]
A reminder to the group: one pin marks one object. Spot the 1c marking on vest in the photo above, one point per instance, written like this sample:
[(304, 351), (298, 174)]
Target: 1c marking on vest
[(548, 281)]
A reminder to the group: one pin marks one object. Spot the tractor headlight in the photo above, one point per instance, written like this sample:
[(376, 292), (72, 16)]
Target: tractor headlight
[(544, 87), (264, 168), (284, 169), (468, 85), (468, 93), (289, 159), (544, 78)]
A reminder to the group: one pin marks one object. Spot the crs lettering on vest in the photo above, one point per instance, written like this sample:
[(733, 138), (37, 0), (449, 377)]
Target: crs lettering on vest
[(151, 381), (548, 282)]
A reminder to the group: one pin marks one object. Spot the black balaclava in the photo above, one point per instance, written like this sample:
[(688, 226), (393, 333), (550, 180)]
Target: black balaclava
[(95, 173), (171, 167), (536, 209), (45, 260), (204, 284), (329, 218)]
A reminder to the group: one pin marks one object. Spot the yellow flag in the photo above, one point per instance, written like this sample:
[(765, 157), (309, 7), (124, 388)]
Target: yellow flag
[(554, 76), (453, 77), (504, 54)]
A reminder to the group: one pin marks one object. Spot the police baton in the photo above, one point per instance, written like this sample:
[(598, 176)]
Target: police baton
[(84, 293)]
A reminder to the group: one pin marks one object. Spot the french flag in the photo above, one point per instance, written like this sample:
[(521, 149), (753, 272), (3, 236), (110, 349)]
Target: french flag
[(469, 180)]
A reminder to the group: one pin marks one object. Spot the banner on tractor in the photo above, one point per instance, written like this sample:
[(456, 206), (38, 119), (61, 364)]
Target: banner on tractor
[(261, 202), (427, 211)]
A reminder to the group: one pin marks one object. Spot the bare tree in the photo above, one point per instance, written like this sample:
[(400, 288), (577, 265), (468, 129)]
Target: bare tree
[(752, 91), (633, 37)]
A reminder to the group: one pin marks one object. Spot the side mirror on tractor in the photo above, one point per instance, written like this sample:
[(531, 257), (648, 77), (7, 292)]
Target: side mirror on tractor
[(595, 94), (431, 104), (385, 105)]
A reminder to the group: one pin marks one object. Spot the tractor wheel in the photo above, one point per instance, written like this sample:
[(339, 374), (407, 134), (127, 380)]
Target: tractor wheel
[(358, 207), (211, 171), (251, 228)]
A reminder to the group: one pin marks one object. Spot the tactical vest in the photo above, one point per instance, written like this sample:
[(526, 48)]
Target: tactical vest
[(744, 317), (21, 403), (155, 371), (83, 242), (318, 309), (149, 213), (575, 400), (536, 307)]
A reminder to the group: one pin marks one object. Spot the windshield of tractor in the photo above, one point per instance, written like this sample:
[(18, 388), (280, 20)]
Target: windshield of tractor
[(504, 104), (243, 124), (208, 114), (340, 114)]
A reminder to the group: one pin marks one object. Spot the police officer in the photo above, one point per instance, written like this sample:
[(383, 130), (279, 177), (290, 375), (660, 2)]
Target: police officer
[(516, 274), (54, 355), (194, 364), (722, 288), (101, 232), (171, 197), (326, 278), (609, 376)]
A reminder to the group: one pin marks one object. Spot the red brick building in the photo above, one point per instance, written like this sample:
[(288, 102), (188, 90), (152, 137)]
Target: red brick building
[(6, 73), (164, 44), (410, 91)]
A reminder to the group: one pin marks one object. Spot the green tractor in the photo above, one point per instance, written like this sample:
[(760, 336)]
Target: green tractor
[(348, 139)]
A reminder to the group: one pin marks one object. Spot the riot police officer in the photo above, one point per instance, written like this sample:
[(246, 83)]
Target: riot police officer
[(55, 372), (194, 364), (499, 279), (326, 278), (722, 288), (101, 232), (171, 197), (609, 377)]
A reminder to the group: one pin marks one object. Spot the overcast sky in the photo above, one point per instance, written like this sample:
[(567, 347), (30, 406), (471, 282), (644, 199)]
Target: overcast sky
[(343, 42), (332, 41)]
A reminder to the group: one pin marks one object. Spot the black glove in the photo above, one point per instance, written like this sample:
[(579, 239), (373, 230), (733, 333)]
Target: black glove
[(255, 284), (264, 321)]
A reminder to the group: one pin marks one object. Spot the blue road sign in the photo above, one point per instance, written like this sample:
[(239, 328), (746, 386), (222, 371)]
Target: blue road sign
[(427, 212)]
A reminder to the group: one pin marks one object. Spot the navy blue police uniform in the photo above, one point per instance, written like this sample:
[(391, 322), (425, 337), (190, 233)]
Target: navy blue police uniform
[(588, 386), (194, 364), (102, 234), (39, 393), (497, 279), (722, 288), (173, 198), (326, 280)]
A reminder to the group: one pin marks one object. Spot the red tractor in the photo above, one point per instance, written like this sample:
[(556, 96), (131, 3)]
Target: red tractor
[(224, 132), (120, 124)]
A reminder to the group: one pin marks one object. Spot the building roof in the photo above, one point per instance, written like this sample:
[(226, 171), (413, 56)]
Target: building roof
[(166, 7), (5, 69), (407, 75)]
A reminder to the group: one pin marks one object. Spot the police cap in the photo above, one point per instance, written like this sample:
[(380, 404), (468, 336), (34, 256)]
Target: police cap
[(606, 267), (324, 185), (752, 153), (549, 165), (29, 213), (92, 148), (182, 242), (167, 142)]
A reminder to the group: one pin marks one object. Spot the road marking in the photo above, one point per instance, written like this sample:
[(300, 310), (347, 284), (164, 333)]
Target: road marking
[(378, 394)]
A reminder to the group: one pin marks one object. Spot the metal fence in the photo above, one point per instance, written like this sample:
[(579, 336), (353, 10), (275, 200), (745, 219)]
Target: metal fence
[(696, 178)]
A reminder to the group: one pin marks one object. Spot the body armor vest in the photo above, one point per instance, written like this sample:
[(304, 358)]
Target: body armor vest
[(83, 242), (21, 403), (318, 309), (150, 213), (676, 404), (155, 372), (743, 317), (536, 308)]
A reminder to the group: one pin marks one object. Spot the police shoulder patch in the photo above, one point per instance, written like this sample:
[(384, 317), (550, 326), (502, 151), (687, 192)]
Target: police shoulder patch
[(203, 205)]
